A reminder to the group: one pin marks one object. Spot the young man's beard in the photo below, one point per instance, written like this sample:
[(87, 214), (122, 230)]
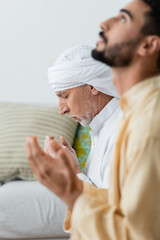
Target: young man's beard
[(118, 55)]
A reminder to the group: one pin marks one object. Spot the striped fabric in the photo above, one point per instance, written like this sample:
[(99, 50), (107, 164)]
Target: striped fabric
[(20, 120)]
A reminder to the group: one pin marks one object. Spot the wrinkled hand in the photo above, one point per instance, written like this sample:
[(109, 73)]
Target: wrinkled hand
[(48, 149), (65, 143), (56, 173)]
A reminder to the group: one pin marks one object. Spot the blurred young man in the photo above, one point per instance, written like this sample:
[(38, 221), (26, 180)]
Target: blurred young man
[(130, 44)]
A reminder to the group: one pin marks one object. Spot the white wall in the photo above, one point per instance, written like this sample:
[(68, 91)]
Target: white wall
[(32, 35)]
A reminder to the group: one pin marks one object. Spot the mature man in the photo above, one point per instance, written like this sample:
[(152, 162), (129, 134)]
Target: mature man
[(130, 208), (86, 94)]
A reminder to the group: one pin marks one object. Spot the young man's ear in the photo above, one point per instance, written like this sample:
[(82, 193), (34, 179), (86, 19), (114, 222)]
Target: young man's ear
[(150, 46), (93, 90)]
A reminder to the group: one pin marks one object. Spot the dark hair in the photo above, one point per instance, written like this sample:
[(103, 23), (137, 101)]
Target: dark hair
[(152, 23)]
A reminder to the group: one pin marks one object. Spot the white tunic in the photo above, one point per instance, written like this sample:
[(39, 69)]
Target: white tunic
[(103, 129)]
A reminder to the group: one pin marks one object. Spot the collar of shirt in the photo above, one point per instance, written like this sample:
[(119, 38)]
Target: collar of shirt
[(103, 115), (138, 93)]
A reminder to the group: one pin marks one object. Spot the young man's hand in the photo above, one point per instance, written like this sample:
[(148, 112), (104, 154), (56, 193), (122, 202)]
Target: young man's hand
[(56, 173)]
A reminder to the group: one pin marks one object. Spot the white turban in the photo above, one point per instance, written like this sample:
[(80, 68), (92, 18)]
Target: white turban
[(76, 67)]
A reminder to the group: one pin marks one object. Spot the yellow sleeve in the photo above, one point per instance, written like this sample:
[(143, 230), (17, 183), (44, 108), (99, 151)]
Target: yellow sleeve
[(92, 216), (88, 189), (138, 215), (140, 191)]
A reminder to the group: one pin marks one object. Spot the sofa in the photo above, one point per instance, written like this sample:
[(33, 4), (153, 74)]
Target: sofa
[(28, 210)]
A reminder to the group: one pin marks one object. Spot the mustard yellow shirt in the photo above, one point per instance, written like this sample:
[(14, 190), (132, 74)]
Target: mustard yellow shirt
[(130, 209)]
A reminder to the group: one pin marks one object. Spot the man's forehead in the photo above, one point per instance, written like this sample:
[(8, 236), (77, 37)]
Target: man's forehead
[(136, 11), (137, 7)]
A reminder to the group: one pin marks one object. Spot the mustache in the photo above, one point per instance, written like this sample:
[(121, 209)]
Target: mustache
[(101, 34)]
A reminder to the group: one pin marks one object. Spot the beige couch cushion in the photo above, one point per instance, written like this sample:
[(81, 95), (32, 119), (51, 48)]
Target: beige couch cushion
[(20, 120)]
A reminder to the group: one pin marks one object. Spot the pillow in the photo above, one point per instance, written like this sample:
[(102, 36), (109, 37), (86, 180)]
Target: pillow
[(82, 144), (20, 120), (28, 210)]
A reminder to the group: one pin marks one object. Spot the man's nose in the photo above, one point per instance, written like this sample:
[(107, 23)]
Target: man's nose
[(106, 25), (63, 109)]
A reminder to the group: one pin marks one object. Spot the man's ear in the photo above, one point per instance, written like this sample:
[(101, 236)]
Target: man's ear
[(93, 90), (150, 46)]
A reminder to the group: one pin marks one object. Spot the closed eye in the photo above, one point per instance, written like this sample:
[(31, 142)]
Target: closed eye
[(64, 95)]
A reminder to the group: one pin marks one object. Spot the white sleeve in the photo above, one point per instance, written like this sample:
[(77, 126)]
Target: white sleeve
[(84, 178)]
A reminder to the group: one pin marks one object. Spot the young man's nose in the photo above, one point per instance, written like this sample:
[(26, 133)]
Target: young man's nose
[(106, 25)]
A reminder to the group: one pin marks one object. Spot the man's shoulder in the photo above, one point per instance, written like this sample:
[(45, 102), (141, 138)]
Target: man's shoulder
[(145, 125)]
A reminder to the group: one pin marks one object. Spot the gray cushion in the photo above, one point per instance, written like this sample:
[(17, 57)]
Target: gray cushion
[(20, 120)]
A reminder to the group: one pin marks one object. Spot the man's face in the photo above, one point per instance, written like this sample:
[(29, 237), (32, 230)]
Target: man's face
[(76, 103), (121, 35)]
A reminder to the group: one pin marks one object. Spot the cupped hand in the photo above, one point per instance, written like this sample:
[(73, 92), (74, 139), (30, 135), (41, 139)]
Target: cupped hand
[(56, 173)]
